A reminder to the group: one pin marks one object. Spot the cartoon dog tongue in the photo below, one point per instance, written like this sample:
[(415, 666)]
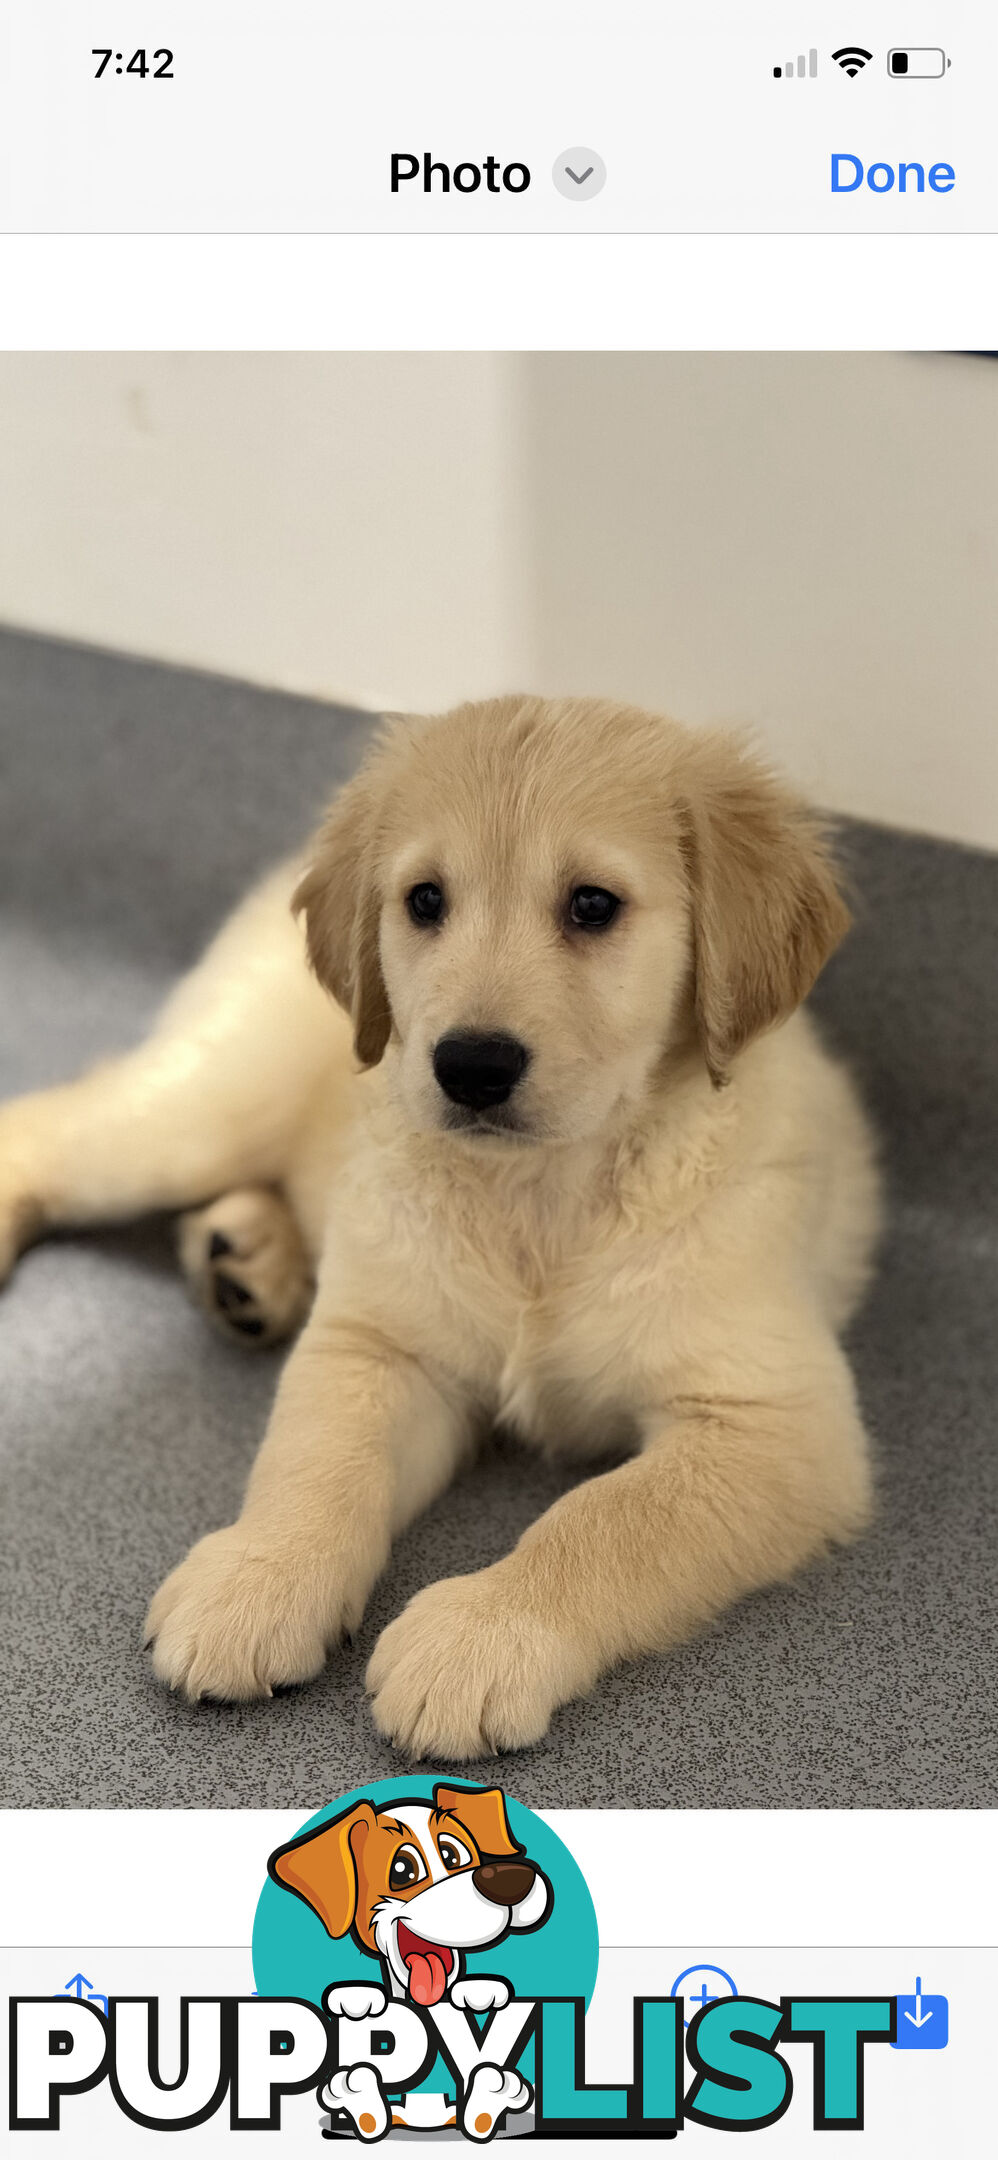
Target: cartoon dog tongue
[(428, 1967), (427, 1977)]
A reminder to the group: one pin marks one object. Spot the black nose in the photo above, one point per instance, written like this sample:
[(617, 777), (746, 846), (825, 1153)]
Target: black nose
[(504, 1882), (477, 1070)]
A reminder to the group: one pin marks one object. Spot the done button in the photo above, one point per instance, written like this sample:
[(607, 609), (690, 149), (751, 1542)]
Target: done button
[(910, 178)]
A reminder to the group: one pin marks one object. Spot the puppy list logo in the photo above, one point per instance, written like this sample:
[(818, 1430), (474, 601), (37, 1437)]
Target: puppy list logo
[(425, 1955), (422, 1885)]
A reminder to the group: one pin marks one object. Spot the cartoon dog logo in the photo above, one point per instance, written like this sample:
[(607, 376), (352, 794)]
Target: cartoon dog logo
[(418, 1887)]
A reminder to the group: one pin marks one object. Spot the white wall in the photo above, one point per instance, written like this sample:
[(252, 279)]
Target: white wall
[(806, 543), (330, 524)]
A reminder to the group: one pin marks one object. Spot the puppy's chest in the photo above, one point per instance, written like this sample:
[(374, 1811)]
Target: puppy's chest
[(550, 1309), (553, 1337), (545, 1398)]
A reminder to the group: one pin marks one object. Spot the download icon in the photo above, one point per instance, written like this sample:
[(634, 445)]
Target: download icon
[(923, 2020)]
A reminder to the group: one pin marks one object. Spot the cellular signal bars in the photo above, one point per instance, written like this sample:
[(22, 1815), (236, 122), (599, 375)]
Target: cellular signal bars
[(808, 66)]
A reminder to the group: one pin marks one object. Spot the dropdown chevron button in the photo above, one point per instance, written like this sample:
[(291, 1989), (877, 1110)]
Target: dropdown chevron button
[(579, 173)]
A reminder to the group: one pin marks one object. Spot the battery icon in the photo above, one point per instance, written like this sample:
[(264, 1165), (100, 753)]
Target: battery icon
[(916, 63)]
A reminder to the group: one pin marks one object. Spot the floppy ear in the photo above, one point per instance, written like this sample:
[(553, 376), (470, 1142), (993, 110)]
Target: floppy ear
[(340, 903), (321, 1868), (483, 1813), (767, 912)]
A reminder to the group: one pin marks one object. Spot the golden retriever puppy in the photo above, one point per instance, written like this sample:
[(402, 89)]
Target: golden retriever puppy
[(503, 1092)]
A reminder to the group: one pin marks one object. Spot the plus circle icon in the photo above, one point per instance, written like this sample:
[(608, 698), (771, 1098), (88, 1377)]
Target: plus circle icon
[(706, 1984)]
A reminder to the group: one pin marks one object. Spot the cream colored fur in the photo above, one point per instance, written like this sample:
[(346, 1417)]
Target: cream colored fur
[(658, 1261)]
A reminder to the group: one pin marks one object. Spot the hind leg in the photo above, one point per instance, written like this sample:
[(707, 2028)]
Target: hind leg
[(212, 1101), (245, 1261)]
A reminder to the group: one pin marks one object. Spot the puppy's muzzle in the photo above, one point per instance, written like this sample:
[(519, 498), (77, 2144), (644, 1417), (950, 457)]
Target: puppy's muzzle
[(504, 1882), (479, 1071)]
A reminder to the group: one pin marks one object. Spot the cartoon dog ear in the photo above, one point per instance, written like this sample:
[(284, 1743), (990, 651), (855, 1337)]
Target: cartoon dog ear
[(321, 1868), (339, 900), (483, 1813), (767, 912)]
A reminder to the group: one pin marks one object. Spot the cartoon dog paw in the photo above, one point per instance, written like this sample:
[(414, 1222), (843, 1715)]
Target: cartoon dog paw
[(492, 2094), (479, 1992), (358, 2092), (355, 2001)]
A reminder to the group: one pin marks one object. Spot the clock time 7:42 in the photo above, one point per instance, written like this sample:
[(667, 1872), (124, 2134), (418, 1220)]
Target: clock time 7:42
[(141, 63)]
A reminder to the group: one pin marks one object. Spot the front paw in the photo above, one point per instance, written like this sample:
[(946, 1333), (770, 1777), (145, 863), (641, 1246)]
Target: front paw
[(479, 1992), (354, 1999), (464, 1671), (234, 1622)]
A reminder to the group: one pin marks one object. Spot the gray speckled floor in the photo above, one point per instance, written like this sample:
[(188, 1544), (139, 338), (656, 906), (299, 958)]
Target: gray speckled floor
[(126, 1430)]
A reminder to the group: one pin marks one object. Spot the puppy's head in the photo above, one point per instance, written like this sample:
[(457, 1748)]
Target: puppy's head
[(418, 1884), (536, 905)]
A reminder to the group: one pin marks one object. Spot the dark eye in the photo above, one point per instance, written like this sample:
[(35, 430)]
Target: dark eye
[(425, 903), (592, 908), (405, 1869), (453, 1855)]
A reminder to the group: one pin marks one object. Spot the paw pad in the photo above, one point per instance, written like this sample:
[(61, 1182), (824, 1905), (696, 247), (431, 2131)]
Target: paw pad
[(246, 1262)]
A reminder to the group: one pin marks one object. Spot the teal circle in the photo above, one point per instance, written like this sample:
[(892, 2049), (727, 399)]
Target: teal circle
[(293, 1955)]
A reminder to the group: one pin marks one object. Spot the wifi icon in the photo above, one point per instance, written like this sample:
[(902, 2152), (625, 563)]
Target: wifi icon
[(850, 58)]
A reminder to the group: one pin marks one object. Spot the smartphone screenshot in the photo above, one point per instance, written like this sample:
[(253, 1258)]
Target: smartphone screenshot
[(498, 1055)]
